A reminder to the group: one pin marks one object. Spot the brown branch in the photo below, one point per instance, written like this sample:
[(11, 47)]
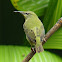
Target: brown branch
[(29, 56), (49, 33)]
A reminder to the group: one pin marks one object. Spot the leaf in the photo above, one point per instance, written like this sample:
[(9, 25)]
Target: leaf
[(18, 53), (38, 6), (51, 17)]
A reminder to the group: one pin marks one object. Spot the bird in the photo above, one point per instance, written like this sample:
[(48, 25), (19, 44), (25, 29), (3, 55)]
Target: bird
[(34, 30)]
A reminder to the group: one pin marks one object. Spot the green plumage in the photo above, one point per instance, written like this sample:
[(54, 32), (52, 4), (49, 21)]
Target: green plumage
[(34, 29)]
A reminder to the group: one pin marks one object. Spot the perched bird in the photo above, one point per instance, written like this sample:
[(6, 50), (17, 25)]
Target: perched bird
[(33, 29)]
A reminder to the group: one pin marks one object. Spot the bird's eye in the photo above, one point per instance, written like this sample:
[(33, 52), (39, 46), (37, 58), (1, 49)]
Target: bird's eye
[(34, 40), (27, 13)]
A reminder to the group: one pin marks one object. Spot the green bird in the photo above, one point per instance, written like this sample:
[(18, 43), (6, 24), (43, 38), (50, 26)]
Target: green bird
[(33, 29)]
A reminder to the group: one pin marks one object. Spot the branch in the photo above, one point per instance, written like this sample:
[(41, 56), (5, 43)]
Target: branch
[(48, 34)]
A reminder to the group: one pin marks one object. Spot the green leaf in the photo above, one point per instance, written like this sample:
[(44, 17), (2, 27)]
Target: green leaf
[(51, 17), (38, 6), (18, 53), (55, 41)]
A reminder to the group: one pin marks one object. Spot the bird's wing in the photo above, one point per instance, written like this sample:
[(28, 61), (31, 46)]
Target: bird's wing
[(42, 32), (30, 35)]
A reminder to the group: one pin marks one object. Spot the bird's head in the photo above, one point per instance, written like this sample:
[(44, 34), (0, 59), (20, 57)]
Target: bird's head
[(27, 14)]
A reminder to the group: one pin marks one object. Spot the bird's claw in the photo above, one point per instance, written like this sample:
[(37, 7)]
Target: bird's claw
[(33, 49), (44, 39)]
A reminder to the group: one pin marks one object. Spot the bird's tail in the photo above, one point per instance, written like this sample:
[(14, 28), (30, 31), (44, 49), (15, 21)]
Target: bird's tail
[(39, 48), (38, 45)]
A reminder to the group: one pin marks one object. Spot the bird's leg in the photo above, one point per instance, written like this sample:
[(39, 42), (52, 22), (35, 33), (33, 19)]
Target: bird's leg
[(33, 49), (44, 39)]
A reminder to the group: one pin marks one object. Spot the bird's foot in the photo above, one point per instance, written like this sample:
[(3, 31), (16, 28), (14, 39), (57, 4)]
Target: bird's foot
[(33, 49), (44, 39)]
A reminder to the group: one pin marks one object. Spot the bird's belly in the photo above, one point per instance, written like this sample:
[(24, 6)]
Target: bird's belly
[(32, 43)]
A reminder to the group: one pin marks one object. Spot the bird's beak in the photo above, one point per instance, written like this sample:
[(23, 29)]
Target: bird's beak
[(20, 12)]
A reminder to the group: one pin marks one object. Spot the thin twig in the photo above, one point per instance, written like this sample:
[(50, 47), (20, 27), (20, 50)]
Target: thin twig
[(48, 34)]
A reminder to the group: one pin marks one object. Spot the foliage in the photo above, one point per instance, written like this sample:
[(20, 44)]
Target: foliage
[(18, 53), (51, 17), (37, 6)]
